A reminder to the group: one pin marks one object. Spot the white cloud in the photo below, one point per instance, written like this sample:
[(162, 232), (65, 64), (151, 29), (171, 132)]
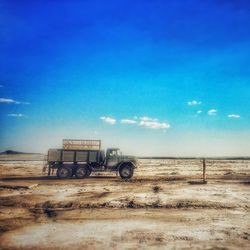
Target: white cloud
[(108, 120), (233, 116), (8, 101), (16, 115), (128, 121), (144, 121), (154, 124), (199, 112), (194, 103), (145, 118), (212, 112)]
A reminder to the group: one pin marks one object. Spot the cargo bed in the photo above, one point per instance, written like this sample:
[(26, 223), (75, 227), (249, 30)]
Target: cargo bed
[(61, 155)]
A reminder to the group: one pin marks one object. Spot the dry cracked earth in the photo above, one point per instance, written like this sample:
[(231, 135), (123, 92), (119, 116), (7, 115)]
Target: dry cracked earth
[(164, 206)]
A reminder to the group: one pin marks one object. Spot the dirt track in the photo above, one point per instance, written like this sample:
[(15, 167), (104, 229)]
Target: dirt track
[(157, 209)]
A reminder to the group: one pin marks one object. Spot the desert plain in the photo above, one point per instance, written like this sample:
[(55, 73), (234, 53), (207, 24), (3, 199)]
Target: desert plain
[(164, 206)]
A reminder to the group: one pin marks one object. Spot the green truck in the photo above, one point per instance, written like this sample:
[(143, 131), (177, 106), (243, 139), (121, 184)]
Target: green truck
[(80, 158)]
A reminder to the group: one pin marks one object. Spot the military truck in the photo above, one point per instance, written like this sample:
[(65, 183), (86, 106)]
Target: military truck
[(80, 158)]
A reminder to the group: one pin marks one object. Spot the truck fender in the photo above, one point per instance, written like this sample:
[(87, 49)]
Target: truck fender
[(126, 162)]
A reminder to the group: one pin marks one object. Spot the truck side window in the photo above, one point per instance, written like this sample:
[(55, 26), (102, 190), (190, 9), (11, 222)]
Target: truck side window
[(113, 153)]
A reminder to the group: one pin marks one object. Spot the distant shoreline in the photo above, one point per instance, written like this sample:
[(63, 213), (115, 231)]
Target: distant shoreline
[(19, 156), (13, 152)]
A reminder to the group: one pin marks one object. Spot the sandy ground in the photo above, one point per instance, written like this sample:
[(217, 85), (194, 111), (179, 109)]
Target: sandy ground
[(157, 209)]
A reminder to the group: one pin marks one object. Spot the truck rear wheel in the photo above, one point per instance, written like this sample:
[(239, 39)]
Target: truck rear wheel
[(126, 171), (89, 173), (64, 172), (82, 172)]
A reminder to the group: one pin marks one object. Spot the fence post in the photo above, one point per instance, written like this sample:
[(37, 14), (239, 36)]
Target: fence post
[(204, 170)]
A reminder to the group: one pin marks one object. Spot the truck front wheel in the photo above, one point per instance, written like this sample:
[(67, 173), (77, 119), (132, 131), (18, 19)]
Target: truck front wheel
[(82, 172), (126, 171), (64, 172)]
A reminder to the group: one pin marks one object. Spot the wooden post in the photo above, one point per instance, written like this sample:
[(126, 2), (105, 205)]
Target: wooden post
[(204, 171)]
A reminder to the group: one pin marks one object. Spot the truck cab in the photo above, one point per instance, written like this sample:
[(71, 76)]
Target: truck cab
[(123, 164), (112, 157)]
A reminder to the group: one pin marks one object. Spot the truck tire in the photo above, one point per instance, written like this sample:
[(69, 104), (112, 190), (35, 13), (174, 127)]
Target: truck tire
[(82, 172), (126, 171), (64, 172), (89, 173)]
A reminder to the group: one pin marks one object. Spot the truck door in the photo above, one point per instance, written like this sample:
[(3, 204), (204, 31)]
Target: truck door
[(112, 157)]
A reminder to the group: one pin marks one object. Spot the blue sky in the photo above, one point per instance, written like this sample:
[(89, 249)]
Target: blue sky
[(152, 77)]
